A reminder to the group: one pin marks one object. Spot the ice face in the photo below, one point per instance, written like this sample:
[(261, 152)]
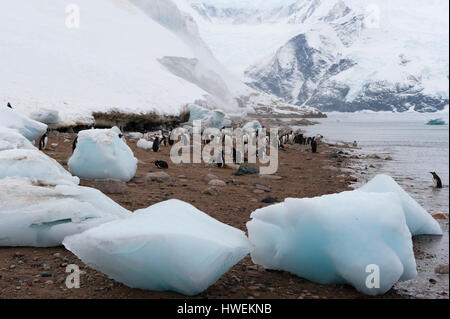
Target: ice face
[(34, 164), (11, 139), (419, 221), (31, 129), (333, 239), (40, 215), (101, 154), (168, 246)]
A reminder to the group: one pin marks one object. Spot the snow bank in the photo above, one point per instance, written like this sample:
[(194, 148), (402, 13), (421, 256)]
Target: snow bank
[(101, 154), (34, 164), (144, 144), (46, 116), (33, 214), (333, 239), (419, 221), (168, 246), (11, 139), (29, 128), (209, 118)]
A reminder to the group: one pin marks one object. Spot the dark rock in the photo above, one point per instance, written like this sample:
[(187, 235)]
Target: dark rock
[(270, 200), (246, 170), (111, 186)]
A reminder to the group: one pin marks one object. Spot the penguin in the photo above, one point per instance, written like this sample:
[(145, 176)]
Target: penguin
[(171, 142), (9, 105), (437, 180), (155, 146), (314, 145), (161, 164), (43, 142), (355, 144), (74, 144), (164, 141)]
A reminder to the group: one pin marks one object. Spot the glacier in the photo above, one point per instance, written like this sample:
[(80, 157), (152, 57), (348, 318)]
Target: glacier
[(41, 215), (35, 165), (102, 154), (168, 246), (419, 221), (336, 239), (208, 118), (29, 128), (46, 116)]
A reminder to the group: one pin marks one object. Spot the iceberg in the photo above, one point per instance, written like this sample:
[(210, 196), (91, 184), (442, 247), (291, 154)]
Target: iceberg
[(41, 215), (439, 121), (102, 154), (419, 221), (252, 126), (167, 246), (11, 139), (46, 116), (31, 129), (35, 165), (341, 238), (144, 144), (210, 118)]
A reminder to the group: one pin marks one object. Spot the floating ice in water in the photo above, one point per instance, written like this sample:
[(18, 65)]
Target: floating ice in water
[(252, 126), (101, 154), (29, 128), (11, 139), (336, 239), (439, 121), (35, 214), (168, 246), (209, 118), (144, 144), (34, 164), (419, 221), (46, 116)]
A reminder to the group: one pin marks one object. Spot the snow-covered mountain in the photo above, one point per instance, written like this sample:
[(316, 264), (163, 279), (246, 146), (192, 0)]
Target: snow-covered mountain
[(344, 55), (135, 56)]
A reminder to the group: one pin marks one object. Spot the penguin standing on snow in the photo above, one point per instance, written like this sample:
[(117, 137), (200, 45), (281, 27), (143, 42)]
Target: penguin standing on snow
[(437, 180), (43, 142), (155, 146), (9, 105)]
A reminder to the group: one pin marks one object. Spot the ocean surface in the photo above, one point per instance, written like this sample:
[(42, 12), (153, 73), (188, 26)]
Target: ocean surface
[(416, 150)]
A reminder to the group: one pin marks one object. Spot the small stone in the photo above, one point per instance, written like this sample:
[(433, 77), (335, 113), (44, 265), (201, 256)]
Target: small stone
[(57, 255), (211, 191), (388, 158), (262, 187), (111, 186), (210, 177), (246, 170), (441, 269), (432, 281), (439, 215), (12, 267), (49, 282), (270, 200), (18, 254), (153, 177), (46, 273), (271, 177), (258, 191), (253, 288), (217, 182)]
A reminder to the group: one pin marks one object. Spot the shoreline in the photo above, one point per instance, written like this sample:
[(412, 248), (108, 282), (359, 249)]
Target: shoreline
[(301, 173)]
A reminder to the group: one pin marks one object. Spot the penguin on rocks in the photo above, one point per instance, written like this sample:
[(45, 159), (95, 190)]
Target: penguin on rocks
[(43, 142), (155, 146)]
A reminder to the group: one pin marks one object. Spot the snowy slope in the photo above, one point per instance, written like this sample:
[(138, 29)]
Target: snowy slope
[(131, 55), (337, 54)]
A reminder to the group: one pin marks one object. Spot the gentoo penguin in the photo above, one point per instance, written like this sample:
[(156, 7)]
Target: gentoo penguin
[(74, 144), (155, 146), (355, 144), (171, 142), (164, 140), (9, 105), (314, 145), (161, 164), (437, 180), (43, 142)]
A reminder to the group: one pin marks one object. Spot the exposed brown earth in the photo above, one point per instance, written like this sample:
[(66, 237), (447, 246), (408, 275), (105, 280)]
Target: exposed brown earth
[(302, 175)]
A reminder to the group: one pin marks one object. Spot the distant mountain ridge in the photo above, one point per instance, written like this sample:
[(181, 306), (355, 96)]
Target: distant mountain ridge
[(344, 55)]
